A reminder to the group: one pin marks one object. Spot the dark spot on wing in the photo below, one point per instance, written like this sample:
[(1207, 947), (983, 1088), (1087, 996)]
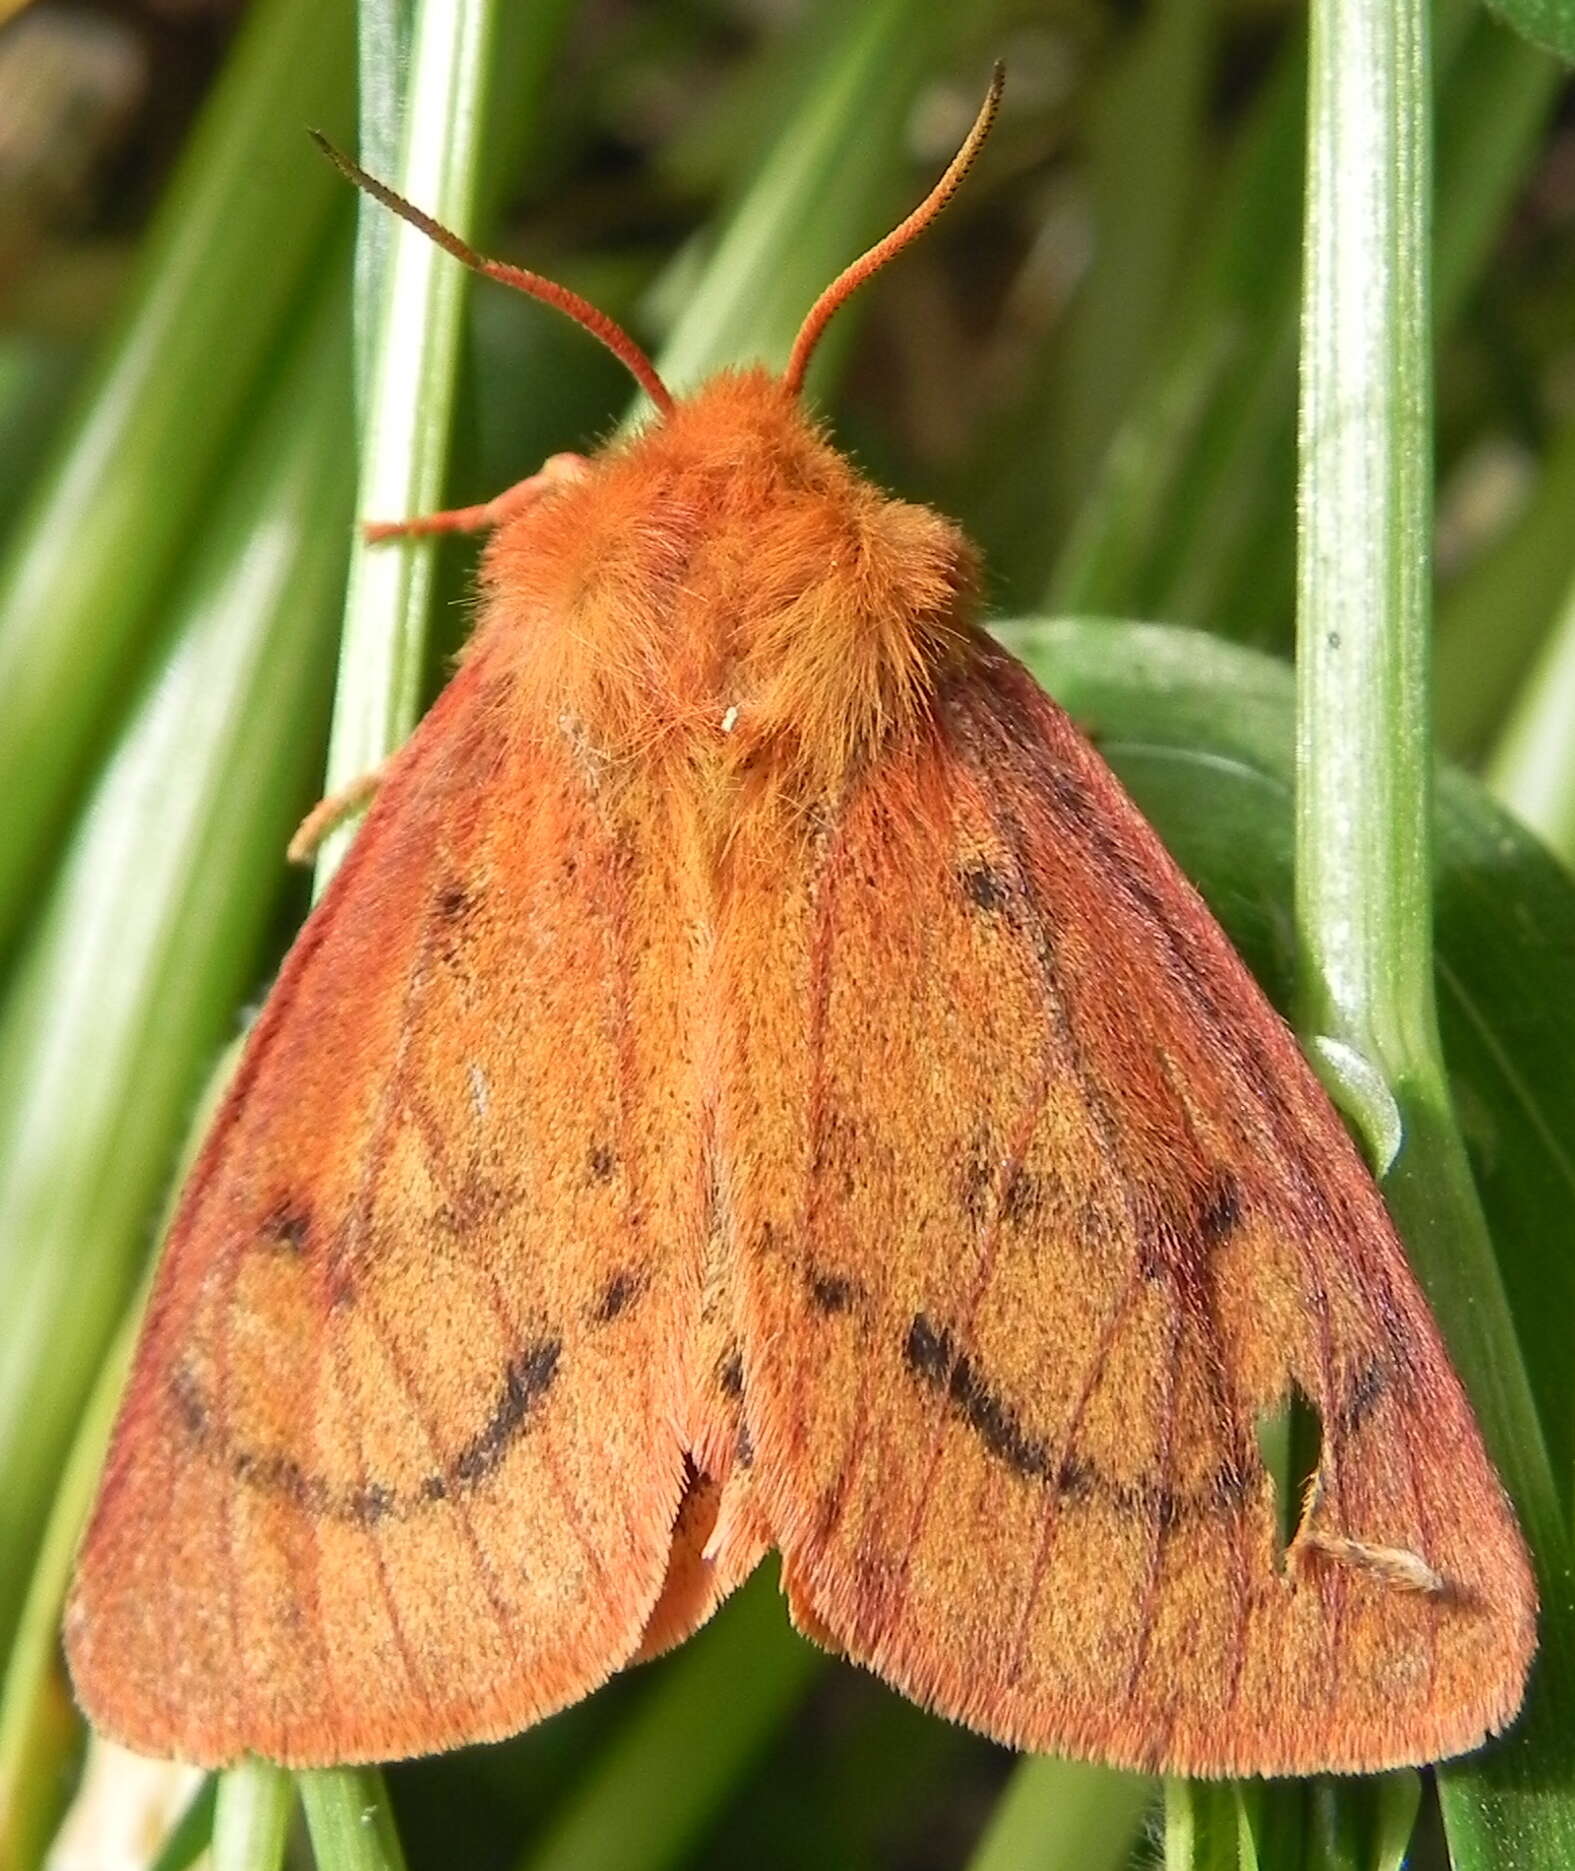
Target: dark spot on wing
[(454, 901), (622, 1290), (288, 1225), (927, 1352), (340, 1284), (1220, 1213), (1075, 1478), (984, 886), (1233, 1482), (272, 1471), (1071, 796), (832, 1292), (730, 1378), (1023, 1196), (370, 1503), (977, 1174), (1357, 1406), (601, 1162), (996, 1426), (1162, 1505), (837, 1149), (190, 1404), (744, 1447), (472, 1203), (1178, 1240)]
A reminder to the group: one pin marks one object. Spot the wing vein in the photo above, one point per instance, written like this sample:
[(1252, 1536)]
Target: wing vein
[(1149, 1606), (507, 1322), (1059, 1036), (416, 1675), (819, 999), (1050, 1518), (484, 1572)]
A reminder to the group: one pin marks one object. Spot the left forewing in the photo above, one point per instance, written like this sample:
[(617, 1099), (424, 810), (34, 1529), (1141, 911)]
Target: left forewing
[(399, 1459)]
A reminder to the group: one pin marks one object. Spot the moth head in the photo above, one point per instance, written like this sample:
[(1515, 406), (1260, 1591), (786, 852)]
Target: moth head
[(616, 339)]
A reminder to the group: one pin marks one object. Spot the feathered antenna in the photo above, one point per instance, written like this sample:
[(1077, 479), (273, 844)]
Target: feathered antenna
[(596, 322), (848, 282)]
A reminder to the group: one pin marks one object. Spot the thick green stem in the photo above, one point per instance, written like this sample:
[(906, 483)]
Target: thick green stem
[(1364, 876), (1364, 847)]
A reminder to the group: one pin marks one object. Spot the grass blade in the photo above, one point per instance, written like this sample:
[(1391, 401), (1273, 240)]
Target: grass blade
[(350, 1820), (85, 579), (650, 1793), (410, 397), (1532, 768), (1064, 1816), (251, 1818), (150, 935)]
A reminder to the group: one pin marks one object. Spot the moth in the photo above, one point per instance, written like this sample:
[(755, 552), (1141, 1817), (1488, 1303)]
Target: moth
[(757, 1083)]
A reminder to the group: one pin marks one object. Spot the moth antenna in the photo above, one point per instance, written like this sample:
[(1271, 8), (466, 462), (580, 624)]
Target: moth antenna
[(851, 278), (534, 285)]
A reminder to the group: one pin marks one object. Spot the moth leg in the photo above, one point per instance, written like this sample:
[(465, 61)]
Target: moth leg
[(330, 813), (556, 471)]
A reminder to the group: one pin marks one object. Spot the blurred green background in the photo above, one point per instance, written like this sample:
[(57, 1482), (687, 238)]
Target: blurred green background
[(1092, 362)]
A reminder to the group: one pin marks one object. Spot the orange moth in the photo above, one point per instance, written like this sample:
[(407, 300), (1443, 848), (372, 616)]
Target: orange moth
[(756, 1082)]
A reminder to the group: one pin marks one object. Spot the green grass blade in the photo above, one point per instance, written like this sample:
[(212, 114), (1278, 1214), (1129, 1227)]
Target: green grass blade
[(1187, 517), (1065, 1816), (84, 583), (251, 1818), (408, 402), (383, 30), (1549, 23), (350, 1820), (1204, 1828), (1239, 291), (187, 1847), (1361, 1825), (37, 1737), (1145, 158), (648, 1796), (1492, 115), (1492, 623), (410, 397), (153, 927), (1532, 766)]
